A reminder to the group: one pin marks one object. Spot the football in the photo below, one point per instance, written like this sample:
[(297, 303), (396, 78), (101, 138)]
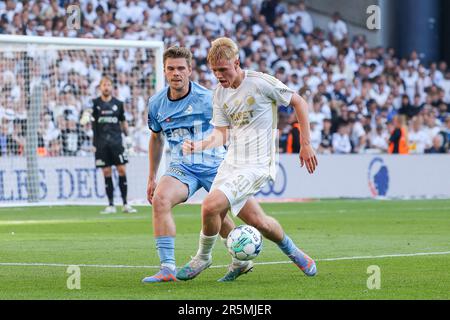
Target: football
[(244, 242)]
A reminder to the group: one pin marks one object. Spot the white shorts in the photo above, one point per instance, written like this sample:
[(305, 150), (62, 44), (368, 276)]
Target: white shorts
[(239, 183)]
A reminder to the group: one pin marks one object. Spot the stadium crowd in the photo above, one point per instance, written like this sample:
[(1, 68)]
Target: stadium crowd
[(363, 99)]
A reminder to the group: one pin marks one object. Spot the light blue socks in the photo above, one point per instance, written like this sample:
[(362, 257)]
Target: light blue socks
[(166, 251)]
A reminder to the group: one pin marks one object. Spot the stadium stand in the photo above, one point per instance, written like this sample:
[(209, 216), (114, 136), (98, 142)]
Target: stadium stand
[(355, 91)]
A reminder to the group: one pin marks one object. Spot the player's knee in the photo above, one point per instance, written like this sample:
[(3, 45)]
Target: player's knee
[(211, 207), (107, 172), (161, 204), (121, 170)]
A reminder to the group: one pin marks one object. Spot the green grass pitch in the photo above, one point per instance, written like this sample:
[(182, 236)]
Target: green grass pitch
[(116, 251)]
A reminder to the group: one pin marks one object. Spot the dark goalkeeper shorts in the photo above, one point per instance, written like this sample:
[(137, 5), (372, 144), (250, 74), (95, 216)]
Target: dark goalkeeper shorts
[(110, 155)]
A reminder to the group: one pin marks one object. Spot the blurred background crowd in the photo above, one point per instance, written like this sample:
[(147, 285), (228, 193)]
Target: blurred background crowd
[(362, 99)]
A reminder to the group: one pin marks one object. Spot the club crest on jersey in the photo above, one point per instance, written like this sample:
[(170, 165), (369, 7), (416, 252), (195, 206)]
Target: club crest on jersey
[(114, 107), (250, 100), (189, 109)]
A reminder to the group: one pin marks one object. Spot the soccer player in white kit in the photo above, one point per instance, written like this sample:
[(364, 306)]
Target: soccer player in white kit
[(245, 114)]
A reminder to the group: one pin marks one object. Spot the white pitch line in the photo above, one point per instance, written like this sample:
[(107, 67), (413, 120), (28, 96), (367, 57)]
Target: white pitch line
[(38, 264), (23, 264)]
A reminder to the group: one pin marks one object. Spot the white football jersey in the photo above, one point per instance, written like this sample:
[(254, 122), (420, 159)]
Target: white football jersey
[(250, 111)]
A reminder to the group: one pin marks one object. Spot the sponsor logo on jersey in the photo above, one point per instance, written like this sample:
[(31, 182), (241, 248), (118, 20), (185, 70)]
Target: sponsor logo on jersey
[(108, 120), (241, 118), (179, 133)]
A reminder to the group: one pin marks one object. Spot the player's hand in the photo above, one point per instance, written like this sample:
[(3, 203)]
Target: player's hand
[(128, 142), (151, 186), (308, 158), (86, 117), (188, 147)]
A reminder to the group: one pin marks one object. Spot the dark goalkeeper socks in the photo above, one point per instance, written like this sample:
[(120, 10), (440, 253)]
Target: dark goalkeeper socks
[(123, 188), (109, 190)]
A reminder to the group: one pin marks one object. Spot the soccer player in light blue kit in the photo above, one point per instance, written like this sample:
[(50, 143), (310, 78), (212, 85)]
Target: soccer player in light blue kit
[(183, 111)]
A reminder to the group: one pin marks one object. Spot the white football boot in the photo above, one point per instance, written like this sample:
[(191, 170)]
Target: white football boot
[(109, 210), (128, 209)]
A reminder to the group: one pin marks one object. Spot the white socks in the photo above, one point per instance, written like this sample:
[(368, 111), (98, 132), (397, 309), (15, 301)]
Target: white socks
[(169, 265), (206, 244)]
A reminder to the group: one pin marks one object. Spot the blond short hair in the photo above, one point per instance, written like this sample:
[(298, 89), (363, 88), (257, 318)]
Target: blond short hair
[(223, 49), (106, 77)]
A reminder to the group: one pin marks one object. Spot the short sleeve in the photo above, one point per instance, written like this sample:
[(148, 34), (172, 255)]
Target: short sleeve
[(276, 90), (153, 124), (219, 118)]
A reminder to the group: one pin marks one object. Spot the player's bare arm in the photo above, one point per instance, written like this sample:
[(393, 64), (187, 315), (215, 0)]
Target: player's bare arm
[(155, 151), (124, 127), (307, 154), (218, 137)]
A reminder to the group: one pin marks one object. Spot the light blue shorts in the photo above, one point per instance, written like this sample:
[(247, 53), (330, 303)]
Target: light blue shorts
[(192, 179)]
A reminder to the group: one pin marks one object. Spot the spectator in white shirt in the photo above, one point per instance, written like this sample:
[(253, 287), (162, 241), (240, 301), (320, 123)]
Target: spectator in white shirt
[(123, 89), (418, 139), (316, 134), (378, 139), (124, 63), (306, 20), (141, 135), (341, 141), (432, 127), (337, 28), (445, 85), (288, 18), (316, 115), (410, 81), (296, 37), (89, 13), (212, 21), (380, 93), (357, 133)]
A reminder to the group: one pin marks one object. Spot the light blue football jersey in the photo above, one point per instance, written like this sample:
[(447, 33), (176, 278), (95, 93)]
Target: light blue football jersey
[(186, 118)]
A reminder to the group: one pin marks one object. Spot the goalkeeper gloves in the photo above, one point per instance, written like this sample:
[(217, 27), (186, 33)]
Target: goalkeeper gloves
[(86, 117), (128, 143)]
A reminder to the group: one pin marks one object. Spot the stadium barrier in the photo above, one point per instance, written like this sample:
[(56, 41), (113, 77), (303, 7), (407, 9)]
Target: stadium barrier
[(74, 180)]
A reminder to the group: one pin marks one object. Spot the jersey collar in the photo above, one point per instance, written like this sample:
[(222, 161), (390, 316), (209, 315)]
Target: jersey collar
[(174, 100)]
